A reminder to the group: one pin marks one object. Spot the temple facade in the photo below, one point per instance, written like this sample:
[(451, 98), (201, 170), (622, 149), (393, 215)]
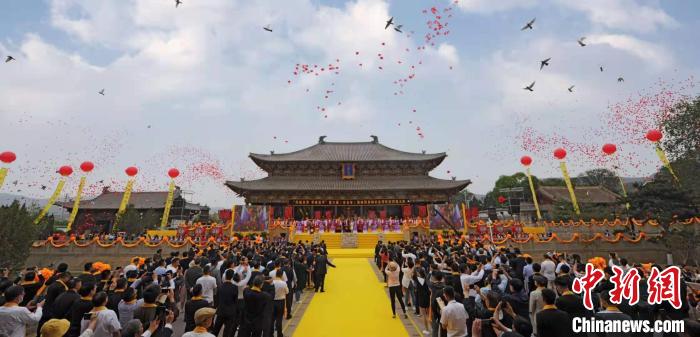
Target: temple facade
[(347, 179)]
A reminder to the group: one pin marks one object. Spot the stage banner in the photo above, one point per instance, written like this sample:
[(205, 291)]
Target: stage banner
[(329, 214), (288, 212), (250, 218), (422, 211), (317, 215), (441, 212), (474, 213), (533, 230), (372, 214), (407, 211), (382, 214)]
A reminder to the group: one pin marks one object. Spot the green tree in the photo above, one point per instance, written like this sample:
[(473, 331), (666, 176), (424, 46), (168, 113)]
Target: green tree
[(151, 219), (600, 177), (552, 182), (681, 136), (131, 221), (17, 231), (518, 179), (662, 200)]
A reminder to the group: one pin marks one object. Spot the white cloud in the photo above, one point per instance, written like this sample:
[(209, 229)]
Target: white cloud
[(490, 6), (653, 54), (622, 14), (448, 52)]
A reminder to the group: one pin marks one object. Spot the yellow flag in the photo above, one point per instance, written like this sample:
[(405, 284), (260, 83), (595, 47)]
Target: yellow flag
[(662, 156), (3, 174), (567, 180), (168, 204), (52, 200), (534, 195), (76, 204)]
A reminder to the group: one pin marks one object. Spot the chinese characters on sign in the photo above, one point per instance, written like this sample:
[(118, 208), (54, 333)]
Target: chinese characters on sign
[(663, 285), (304, 202)]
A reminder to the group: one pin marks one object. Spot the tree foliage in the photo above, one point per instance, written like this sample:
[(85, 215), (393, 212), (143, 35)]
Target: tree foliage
[(131, 221), (681, 135), (600, 177), (17, 231), (151, 219), (518, 179), (662, 200)]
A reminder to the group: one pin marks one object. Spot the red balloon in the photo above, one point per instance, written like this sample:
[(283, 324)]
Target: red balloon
[(131, 171), (173, 173), (609, 148), (7, 157), (87, 166), (654, 135), (501, 199), (526, 160), (560, 153), (65, 170)]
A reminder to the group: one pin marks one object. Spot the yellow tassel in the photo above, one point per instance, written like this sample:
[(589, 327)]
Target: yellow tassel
[(76, 204), (534, 195), (3, 174), (51, 201), (569, 186), (662, 156), (168, 204)]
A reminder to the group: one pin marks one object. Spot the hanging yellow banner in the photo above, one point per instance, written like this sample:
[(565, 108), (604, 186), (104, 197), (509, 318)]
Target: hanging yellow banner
[(662, 156), (76, 204), (3, 174), (168, 204), (534, 195), (624, 191), (567, 180), (464, 218), (125, 198), (233, 219), (51, 201)]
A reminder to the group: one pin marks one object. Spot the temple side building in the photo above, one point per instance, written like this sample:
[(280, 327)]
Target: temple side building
[(346, 179)]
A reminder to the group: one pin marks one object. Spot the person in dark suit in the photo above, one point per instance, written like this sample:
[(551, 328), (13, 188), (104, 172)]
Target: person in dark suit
[(569, 302), (227, 296), (79, 308), (320, 271), (63, 303), (195, 303), (289, 271), (610, 312), (117, 295), (87, 276), (256, 302), (56, 288), (552, 322)]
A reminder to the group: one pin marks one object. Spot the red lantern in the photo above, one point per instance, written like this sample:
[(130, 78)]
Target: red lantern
[(173, 173), (654, 135), (65, 170), (560, 153), (131, 171), (87, 166), (501, 199), (7, 157), (526, 160), (609, 148)]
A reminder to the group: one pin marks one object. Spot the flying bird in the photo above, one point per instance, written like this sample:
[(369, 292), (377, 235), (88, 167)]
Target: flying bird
[(620, 79), (101, 181), (571, 88), (529, 87), (178, 3), (268, 28), (389, 22), (14, 183), (43, 187), (580, 41), (601, 69), (529, 24), (9, 58), (544, 62), (398, 28), (101, 92)]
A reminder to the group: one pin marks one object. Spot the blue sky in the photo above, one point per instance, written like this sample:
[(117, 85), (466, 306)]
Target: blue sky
[(213, 85)]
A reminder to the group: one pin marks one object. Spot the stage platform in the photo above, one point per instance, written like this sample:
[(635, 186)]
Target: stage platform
[(335, 240), (336, 253)]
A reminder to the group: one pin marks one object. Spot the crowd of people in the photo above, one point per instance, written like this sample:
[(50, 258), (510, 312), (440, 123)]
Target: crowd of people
[(459, 288), (245, 289)]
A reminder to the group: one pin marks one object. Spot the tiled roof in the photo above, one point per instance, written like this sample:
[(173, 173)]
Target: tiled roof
[(140, 200), (584, 194), (367, 183), (347, 152)]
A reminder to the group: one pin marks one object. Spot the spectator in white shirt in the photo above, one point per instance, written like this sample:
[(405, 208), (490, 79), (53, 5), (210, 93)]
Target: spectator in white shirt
[(273, 273), (548, 269), (468, 279), (453, 316), (281, 291), (107, 322), (173, 266), (208, 283), (13, 318)]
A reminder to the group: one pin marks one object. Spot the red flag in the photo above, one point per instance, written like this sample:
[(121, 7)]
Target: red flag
[(406, 211), (382, 214), (288, 212), (422, 211), (317, 215), (329, 214), (372, 214)]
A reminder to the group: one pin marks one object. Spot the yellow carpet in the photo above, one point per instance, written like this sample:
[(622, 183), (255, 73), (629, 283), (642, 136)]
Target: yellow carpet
[(353, 305), (335, 253)]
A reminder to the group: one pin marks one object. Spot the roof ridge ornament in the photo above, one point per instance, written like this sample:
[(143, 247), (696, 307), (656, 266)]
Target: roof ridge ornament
[(375, 139), (322, 140)]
